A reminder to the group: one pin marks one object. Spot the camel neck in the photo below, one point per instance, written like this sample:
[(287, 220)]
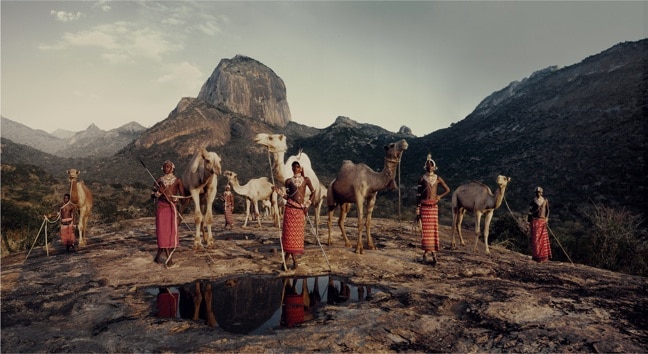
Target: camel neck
[(499, 196), (389, 169), (277, 166)]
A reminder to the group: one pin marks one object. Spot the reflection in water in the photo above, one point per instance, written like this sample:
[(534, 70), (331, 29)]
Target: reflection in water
[(253, 305), (167, 303)]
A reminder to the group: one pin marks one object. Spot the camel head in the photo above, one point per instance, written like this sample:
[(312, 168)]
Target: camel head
[(502, 181), (212, 161), (394, 151), (73, 174), (274, 142), (231, 176)]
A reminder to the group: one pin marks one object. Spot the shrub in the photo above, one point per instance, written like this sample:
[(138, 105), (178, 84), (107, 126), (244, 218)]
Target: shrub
[(617, 242), (509, 232)]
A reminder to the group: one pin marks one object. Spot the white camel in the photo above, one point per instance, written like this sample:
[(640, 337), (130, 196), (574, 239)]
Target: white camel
[(359, 184), (477, 198), (257, 189), (81, 198), (200, 178), (266, 209), (277, 146)]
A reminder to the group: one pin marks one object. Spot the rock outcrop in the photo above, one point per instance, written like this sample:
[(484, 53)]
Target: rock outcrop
[(103, 298), (244, 85)]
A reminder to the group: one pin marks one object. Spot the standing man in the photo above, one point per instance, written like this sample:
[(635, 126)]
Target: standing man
[(166, 214), (538, 217), (294, 223), (68, 222), (427, 209)]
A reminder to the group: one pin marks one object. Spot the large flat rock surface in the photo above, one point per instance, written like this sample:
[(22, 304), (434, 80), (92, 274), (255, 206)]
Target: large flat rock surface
[(98, 299)]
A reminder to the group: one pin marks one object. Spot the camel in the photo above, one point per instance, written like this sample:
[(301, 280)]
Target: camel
[(477, 198), (257, 189), (81, 197), (200, 179), (266, 209), (359, 184), (277, 145)]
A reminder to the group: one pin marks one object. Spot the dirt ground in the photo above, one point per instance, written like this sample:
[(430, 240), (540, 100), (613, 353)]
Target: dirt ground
[(99, 298)]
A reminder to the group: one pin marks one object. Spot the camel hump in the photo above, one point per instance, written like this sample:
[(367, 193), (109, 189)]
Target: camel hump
[(480, 183)]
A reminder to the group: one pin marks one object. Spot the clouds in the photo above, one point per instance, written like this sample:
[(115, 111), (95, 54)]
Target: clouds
[(63, 16), (423, 64), (184, 74), (119, 42)]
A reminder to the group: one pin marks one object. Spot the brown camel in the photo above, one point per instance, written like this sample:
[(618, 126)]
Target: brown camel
[(200, 178), (277, 146), (477, 198), (256, 190), (81, 198), (359, 184)]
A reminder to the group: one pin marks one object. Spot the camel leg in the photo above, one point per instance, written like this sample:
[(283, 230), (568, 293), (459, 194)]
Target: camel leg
[(455, 226), (478, 215), (360, 205), (344, 209), (84, 213), (329, 224), (247, 212), (275, 209), (195, 196), (318, 210), (487, 221), (256, 212), (275, 215), (370, 207), (197, 299), (211, 319), (209, 216), (80, 231), (459, 221)]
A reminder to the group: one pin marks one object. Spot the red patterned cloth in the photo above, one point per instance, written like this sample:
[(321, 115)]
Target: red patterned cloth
[(166, 225), (540, 246), (67, 233), (294, 223), (293, 310), (430, 225), (229, 208), (167, 304)]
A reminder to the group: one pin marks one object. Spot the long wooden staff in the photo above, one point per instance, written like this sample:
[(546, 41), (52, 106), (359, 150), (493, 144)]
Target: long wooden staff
[(283, 254), (178, 214)]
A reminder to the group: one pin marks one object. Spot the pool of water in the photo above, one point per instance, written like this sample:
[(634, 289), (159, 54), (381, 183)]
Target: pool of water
[(256, 304)]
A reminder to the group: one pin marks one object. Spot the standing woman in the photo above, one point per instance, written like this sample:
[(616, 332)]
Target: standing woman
[(166, 189), (228, 198), (538, 216), (68, 222), (294, 223), (427, 209)]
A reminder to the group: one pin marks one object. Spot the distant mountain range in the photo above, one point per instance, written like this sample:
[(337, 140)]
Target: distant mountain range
[(578, 131), (92, 142)]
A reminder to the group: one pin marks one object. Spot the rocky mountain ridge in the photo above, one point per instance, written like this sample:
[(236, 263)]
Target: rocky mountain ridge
[(91, 142)]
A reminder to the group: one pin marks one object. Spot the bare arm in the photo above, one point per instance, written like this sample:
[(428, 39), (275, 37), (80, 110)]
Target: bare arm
[(445, 188)]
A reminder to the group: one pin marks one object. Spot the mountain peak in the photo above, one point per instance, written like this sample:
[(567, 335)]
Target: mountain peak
[(246, 86)]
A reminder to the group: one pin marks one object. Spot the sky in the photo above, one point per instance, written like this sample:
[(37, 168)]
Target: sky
[(421, 64)]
